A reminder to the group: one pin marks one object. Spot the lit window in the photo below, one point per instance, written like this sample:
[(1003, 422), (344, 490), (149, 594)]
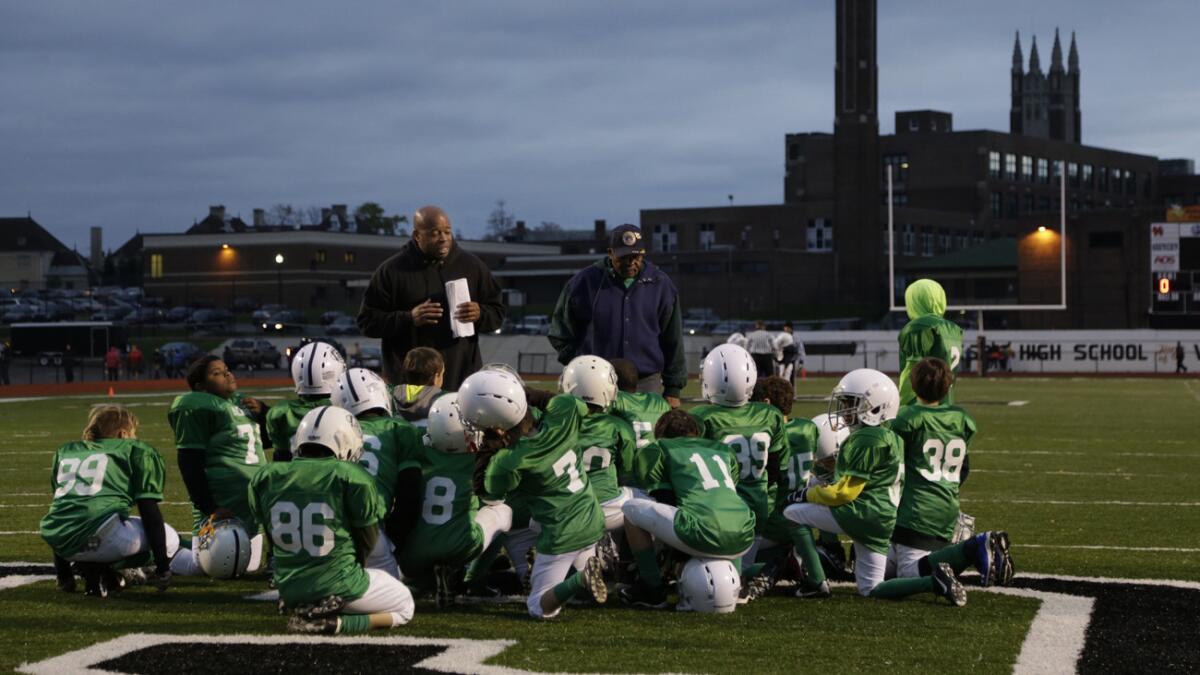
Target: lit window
[(348, 257), (708, 236), (320, 256), (1043, 170), (908, 239), (820, 235), (1026, 168), (1010, 166), (994, 164), (156, 265)]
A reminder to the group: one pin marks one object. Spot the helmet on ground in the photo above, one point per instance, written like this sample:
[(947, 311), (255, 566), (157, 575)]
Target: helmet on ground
[(863, 397), (590, 379), (316, 368), (727, 376), (491, 399), (709, 585), (359, 390), (223, 549), (333, 428), (829, 442), (444, 429)]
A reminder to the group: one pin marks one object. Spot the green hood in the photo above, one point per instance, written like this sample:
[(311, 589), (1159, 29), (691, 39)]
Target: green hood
[(925, 297)]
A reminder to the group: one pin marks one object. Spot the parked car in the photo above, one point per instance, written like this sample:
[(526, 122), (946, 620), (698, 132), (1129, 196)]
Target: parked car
[(345, 325), (179, 314), (188, 351), (283, 322), (266, 312), (534, 324), (291, 351), (331, 317), (370, 357), (209, 319), (254, 352), (146, 315)]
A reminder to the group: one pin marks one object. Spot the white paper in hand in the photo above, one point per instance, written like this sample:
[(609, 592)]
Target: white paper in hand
[(457, 293)]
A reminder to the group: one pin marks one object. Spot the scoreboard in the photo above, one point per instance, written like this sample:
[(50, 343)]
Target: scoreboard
[(1175, 268)]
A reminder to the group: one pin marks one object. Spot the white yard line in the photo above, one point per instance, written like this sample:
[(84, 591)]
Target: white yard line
[(1139, 549), (1057, 633), (1110, 474), (1067, 502), (1017, 404)]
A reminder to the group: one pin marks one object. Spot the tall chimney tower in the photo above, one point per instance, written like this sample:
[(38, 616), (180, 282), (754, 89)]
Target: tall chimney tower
[(96, 252)]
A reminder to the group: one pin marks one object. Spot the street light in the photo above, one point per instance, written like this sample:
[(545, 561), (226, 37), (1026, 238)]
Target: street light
[(279, 276)]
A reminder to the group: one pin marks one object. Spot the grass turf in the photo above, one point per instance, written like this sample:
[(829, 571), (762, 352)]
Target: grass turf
[(1084, 463)]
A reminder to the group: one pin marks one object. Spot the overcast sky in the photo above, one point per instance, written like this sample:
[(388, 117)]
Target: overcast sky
[(139, 115)]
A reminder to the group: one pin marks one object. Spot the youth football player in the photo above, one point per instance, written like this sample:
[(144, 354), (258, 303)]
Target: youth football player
[(323, 513), (423, 370), (219, 449), (927, 334), (694, 507), (540, 462), (640, 408), (315, 370), (755, 431), (936, 439), (96, 482), (861, 502), (389, 448)]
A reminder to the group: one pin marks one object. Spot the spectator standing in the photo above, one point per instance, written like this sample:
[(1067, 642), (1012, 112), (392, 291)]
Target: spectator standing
[(1179, 353), (623, 306), (112, 364), (68, 363), (927, 334), (405, 303), (761, 346), (5, 359), (135, 362), (789, 354)]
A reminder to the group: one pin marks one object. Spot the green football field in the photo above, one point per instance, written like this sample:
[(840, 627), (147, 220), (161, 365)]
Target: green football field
[(1092, 478)]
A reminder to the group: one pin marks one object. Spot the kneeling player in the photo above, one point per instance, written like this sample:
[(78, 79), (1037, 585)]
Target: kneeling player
[(315, 370), (323, 517), (861, 502), (695, 508), (96, 482), (538, 462), (936, 436)]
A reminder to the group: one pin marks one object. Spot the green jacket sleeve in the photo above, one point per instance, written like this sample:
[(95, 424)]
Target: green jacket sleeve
[(670, 340), (563, 335)]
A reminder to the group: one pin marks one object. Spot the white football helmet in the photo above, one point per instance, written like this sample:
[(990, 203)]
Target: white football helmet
[(590, 379), (444, 428), (727, 376), (316, 368), (359, 390), (506, 369), (223, 549), (737, 339), (829, 442), (709, 585), (334, 428), (863, 396), (491, 399)]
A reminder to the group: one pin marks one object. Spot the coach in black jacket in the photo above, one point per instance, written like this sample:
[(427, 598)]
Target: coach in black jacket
[(405, 304)]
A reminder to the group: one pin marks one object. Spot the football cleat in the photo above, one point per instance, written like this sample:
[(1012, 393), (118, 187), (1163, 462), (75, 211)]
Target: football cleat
[(329, 605), (947, 586), (132, 576), (982, 543), (93, 580), (818, 592), (324, 625), (593, 579), (1002, 565), (762, 583), (606, 551), (641, 595), (445, 586)]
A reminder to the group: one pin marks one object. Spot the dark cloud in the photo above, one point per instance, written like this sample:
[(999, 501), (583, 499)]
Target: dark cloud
[(137, 115)]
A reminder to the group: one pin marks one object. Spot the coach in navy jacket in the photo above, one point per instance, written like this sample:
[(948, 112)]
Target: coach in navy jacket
[(624, 307)]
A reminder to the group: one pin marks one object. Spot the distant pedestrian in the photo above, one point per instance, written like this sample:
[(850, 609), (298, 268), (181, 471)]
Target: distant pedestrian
[(1179, 354), (761, 346), (135, 363), (156, 364), (5, 359), (789, 354), (68, 363), (112, 364)]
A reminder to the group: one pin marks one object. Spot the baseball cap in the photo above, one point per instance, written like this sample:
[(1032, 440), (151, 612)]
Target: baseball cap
[(626, 239)]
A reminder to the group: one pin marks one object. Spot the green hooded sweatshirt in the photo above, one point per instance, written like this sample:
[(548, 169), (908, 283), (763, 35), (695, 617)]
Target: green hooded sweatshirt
[(927, 334)]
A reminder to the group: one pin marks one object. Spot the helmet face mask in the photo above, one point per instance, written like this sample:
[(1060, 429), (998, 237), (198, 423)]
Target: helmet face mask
[(829, 444), (863, 397)]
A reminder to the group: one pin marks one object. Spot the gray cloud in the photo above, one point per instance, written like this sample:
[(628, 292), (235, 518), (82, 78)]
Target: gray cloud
[(137, 115)]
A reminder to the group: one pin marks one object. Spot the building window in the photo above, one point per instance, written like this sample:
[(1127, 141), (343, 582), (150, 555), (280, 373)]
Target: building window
[(899, 164), (908, 239), (708, 235), (23, 261), (977, 237), (348, 257), (1014, 205), (820, 235), (1043, 204), (1026, 168), (156, 265), (752, 268), (1089, 180), (1105, 240), (1043, 170), (898, 198), (1073, 174), (1130, 183), (666, 236), (962, 239), (1056, 169), (943, 240), (1102, 178), (319, 256), (993, 164), (927, 242), (1010, 166), (1147, 186), (1029, 205), (997, 205)]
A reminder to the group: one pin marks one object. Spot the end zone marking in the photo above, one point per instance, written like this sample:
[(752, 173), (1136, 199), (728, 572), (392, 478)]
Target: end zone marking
[(1057, 634)]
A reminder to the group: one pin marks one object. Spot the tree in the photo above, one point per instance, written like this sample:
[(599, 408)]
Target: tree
[(499, 223), (311, 215), (283, 214), (371, 217), (548, 226)]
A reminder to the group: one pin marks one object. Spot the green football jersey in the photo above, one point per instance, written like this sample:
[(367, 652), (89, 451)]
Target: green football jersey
[(446, 532), (310, 505), (928, 336), (712, 516), (754, 431), (546, 470), (795, 464), (876, 455), (91, 481), (642, 410), (232, 449), (608, 444), (284, 418), (935, 440), (389, 446)]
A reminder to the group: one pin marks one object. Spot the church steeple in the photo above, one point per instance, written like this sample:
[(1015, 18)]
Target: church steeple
[(1056, 60), (1035, 66), (1073, 57), (1018, 59)]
